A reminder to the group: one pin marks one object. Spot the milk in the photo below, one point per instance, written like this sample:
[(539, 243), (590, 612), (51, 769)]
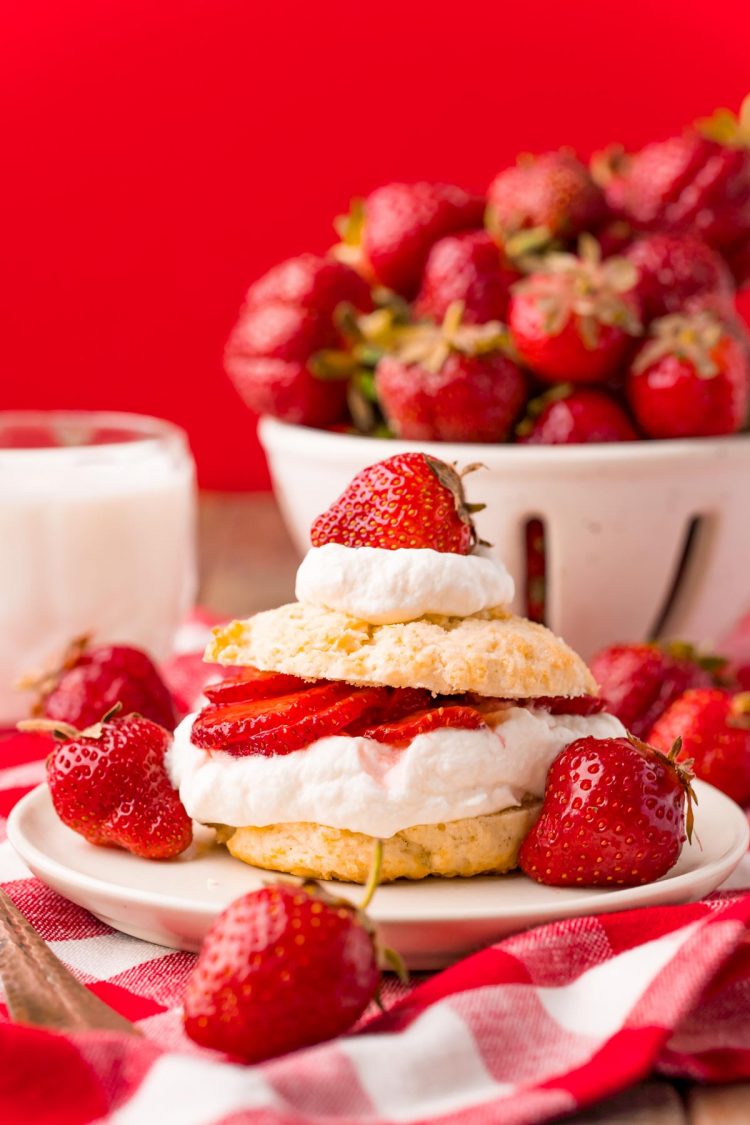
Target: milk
[(96, 539)]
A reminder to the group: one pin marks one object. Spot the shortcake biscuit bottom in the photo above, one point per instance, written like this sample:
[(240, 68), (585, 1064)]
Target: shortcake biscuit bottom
[(482, 845)]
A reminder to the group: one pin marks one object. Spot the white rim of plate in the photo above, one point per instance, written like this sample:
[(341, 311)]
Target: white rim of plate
[(726, 862)]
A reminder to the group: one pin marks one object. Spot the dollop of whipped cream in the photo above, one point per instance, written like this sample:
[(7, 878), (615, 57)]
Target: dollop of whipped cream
[(384, 587), (367, 786)]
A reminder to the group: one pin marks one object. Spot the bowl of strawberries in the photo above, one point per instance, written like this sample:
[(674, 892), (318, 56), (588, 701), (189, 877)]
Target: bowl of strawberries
[(575, 331)]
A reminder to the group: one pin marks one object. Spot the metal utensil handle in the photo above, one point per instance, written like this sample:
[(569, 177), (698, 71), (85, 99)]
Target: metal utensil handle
[(39, 990)]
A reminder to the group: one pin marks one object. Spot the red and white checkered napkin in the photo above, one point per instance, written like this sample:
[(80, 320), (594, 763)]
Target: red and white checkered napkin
[(533, 1027)]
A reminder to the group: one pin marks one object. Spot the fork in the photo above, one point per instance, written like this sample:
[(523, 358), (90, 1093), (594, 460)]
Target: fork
[(39, 990)]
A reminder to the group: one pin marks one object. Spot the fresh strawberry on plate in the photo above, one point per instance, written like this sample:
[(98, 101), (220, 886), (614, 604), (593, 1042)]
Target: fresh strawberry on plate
[(109, 783), (615, 813)]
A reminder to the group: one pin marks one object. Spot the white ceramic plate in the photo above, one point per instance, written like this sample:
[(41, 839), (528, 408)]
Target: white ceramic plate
[(431, 923)]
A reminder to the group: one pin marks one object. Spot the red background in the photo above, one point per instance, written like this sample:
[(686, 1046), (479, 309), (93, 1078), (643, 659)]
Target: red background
[(160, 154)]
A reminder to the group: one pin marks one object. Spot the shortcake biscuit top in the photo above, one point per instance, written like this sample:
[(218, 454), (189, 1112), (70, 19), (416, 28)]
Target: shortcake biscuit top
[(492, 653)]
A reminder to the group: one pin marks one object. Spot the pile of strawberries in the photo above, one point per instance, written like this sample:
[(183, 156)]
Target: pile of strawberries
[(571, 304), (667, 692)]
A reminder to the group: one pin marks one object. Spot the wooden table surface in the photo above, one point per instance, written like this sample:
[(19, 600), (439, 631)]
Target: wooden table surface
[(247, 563)]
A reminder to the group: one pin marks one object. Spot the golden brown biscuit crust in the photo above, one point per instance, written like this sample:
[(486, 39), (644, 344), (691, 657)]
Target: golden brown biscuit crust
[(490, 653), (479, 845)]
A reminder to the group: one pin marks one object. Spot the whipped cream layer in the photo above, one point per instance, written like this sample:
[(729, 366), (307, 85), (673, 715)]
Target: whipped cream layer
[(385, 587), (367, 786)]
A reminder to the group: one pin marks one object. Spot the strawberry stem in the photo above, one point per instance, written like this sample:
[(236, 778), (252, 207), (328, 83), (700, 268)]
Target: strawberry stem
[(373, 879), (395, 963)]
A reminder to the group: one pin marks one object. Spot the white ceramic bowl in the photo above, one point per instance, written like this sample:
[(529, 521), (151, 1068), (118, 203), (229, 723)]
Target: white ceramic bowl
[(642, 539)]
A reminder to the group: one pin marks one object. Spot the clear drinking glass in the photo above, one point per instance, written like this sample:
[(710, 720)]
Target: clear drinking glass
[(97, 536)]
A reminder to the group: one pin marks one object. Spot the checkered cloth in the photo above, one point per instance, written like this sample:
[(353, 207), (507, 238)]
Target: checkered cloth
[(536, 1026)]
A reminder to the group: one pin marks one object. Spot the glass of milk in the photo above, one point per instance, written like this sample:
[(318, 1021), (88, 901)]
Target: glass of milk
[(97, 536)]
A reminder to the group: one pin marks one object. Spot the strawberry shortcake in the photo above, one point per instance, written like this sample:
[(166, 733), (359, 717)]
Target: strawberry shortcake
[(399, 698)]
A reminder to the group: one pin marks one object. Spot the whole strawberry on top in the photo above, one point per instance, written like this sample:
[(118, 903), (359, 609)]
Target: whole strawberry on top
[(573, 319), (565, 416), (714, 727), (283, 967), (409, 500), (289, 316), (470, 268), (91, 679), (389, 235), (697, 182), (614, 813), (553, 195), (673, 268), (450, 383), (639, 681), (690, 378), (109, 783)]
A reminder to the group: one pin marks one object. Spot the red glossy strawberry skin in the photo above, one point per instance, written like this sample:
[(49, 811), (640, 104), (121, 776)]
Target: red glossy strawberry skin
[(276, 330), (396, 704), (554, 190), (581, 417), (563, 357), (687, 183), (421, 722), (114, 790), (714, 734), (400, 502), (287, 390), (470, 399), (283, 724), (613, 814), (404, 221), (673, 268), (670, 399), (254, 684), (466, 267), (99, 677), (638, 682), (555, 704), (312, 282), (281, 968), (267, 358)]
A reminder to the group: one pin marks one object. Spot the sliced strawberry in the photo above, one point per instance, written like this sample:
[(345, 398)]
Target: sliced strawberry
[(404, 730), (254, 684), (320, 724), (568, 704), (283, 724), (555, 704), (398, 703)]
